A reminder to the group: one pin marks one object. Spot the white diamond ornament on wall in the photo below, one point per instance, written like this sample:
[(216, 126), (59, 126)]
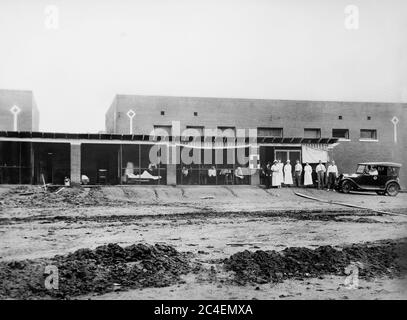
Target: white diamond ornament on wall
[(395, 121), (131, 114), (15, 110)]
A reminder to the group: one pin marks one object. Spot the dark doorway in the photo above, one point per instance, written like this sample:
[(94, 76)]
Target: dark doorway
[(52, 162), (15, 162), (100, 163), (49, 167)]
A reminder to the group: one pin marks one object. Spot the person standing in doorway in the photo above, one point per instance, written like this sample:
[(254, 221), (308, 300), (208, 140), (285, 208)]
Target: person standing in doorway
[(297, 173), (320, 169), (212, 175), (266, 175), (308, 175), (288, 176), (185, 175), (332, 174), (67, 182), (239, 175)]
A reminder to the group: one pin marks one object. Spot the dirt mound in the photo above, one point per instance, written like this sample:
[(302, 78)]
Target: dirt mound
[(374, 259), (34, 196), (104, 269)]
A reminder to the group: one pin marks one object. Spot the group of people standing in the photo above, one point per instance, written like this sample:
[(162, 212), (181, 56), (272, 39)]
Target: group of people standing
[(278, 174)]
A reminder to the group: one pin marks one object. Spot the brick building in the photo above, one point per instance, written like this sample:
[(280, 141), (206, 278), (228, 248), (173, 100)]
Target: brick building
[(365, 130), (18, 111), (348, 132)]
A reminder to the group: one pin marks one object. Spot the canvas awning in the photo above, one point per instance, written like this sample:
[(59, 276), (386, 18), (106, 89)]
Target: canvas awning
[(314, 153)]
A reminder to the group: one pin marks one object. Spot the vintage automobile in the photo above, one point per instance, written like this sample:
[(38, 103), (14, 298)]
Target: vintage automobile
[(379, 177)]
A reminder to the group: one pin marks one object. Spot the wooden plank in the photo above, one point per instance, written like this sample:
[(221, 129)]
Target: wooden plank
[(345, 204)]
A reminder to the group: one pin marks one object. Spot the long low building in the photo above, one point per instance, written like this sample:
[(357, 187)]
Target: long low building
[(203, 140), (43, 157)]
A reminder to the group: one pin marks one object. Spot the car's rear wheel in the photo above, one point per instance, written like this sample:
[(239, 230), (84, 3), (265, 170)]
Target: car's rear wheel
[(392, 189), (346, 187)]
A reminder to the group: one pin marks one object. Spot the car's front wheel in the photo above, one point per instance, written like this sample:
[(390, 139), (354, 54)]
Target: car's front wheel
[(392, 189), (346, 187)]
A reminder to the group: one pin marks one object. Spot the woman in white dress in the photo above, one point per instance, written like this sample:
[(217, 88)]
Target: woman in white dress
[(307, 175), (275, 181), (288, 177)]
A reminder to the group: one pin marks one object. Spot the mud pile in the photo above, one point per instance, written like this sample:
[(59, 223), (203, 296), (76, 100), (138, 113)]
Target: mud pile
[(104, 269), (384, 258), (34, 196)]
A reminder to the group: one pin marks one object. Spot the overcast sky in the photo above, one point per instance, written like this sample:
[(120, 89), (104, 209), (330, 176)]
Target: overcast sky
[(281, 49)]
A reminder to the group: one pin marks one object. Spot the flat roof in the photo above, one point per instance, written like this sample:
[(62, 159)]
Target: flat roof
[(356, 102)]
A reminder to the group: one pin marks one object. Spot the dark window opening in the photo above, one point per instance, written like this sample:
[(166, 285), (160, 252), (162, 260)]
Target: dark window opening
[(340, 117), (369, 118), (197, 131), (16, 162), (270, 132), (195, 114), (312, 133), (227, 131), (368, 134), (213, 167), (340, 133), (162, 130), (162, 113)]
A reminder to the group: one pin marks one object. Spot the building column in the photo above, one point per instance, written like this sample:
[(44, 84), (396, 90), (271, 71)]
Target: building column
[(171, 174), (75, 163), (32, 163), (171, 166), (255, 178), (254, 165)]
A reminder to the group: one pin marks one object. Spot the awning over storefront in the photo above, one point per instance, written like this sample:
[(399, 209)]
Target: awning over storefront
[(314, 153)]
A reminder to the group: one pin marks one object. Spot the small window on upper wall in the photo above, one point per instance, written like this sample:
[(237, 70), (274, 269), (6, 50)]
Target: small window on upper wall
[(227, 131), (162, 113), (162, 130), (340, 117), (340, 133), (368, 134), (270, 132), (369, 118), (312, 133), (195, 131), (195, 114)]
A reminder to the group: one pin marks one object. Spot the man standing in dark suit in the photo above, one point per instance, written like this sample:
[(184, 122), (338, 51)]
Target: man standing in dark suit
[(267, 175)]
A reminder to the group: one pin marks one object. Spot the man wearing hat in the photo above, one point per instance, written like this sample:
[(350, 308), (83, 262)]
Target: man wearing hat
[(297, 173), (320, 169)]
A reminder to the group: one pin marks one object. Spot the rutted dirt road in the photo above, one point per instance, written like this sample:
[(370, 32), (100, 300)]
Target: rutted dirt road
[(210, 223)]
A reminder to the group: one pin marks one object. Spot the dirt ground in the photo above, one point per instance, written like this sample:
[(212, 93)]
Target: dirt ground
[(210, 224)]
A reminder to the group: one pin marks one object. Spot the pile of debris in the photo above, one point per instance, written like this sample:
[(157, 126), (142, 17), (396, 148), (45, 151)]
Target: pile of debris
[(382, 258), (34, 196), (107, 268)]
